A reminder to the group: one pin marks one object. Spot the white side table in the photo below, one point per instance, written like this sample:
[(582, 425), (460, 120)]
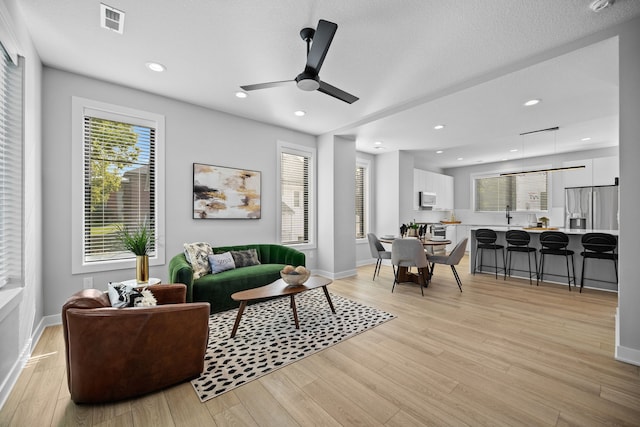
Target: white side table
[(134, 282)]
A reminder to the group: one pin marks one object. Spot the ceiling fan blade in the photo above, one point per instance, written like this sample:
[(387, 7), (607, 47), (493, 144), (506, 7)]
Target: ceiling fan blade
[(321, 42), (266, 85), (337, 93)]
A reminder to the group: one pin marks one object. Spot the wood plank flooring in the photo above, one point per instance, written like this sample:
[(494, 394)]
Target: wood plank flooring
[(502, 353)]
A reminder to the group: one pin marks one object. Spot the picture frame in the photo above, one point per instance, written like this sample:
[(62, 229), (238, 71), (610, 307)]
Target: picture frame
[(221, 192)]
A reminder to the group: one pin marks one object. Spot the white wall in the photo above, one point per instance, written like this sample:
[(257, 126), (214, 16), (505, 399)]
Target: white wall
[(387, 182), (18, 323), (628, 325), (336, 242), (193, 134)]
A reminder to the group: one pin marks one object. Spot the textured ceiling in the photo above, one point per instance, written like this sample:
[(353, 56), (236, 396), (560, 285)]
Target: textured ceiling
[(412, 63)]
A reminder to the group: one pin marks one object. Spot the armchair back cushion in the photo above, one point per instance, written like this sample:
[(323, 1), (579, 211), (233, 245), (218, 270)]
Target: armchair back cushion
[(118, 353)]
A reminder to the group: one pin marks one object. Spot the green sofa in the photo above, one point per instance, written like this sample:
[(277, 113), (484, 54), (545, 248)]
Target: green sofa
[(216, 289)]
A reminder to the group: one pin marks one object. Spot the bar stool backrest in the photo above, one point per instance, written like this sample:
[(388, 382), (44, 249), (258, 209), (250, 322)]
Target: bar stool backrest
[(486, 236), (554, 240), (599, 242), (518, 238)]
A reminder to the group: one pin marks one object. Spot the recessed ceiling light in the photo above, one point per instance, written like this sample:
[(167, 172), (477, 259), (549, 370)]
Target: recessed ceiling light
[(439, 152), (241, 94), (155, 66), (531, 102), (513, 150), (586, 139), (379, 147), (299, 113), (438, 127), (460, 158), (377, 143), (504, 160)]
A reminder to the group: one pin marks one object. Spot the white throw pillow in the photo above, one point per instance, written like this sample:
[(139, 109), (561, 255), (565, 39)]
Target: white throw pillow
[(221, 262)]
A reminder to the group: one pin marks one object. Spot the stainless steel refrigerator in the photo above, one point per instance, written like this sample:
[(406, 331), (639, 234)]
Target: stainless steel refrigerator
[(592, 207)]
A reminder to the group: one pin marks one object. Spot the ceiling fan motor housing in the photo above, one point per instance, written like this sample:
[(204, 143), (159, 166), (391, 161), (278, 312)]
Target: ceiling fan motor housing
[(308, 81)]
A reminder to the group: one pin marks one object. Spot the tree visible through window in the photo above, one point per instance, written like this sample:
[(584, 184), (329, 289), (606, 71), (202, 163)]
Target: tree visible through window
[(119, 166)]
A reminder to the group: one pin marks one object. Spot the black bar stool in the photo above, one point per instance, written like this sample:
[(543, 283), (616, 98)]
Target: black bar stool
[(518, 242), (555, 243), (599, 246), (486, 239)]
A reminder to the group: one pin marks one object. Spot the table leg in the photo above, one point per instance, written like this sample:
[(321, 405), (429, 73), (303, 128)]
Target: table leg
[(295, 312), (243, 304), (326, 294)]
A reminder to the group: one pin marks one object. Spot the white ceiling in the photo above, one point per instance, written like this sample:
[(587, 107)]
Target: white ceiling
[(414, 64)]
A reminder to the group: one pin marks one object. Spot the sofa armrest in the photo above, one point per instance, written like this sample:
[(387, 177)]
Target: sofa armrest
[(180, 271)]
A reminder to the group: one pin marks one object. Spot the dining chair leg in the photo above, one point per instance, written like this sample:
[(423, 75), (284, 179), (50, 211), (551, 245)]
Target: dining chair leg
[(508, 269), (529, 260), (376, 271), (584, 262), (495, 261), (535, 258), (455, 274)]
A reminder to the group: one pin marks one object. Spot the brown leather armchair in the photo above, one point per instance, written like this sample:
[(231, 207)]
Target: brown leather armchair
[(118, 353)]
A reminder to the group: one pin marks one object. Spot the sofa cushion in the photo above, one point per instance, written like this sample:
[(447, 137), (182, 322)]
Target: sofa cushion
[(197, 254), (245, 258), (221, 262)]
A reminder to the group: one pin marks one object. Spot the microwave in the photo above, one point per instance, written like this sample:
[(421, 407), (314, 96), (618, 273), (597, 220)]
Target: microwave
[(427, 200)]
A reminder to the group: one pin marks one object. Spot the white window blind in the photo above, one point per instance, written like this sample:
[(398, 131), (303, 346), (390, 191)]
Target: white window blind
[(294, 192), (361, 226), (119, 185), (522, 193), (11, 166)]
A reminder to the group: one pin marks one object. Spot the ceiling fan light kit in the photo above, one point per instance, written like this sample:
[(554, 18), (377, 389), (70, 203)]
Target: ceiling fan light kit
[(318, 42)]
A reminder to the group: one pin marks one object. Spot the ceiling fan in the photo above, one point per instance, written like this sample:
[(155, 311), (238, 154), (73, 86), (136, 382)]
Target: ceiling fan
[(318, 42)]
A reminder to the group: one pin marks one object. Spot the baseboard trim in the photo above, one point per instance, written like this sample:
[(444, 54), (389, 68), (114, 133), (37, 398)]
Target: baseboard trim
[(335, 276), (625, 354), (25, 354), (14, 373)]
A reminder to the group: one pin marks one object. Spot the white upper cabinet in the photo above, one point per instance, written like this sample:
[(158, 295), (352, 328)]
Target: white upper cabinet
[(598, 171), (605, 170), (433, 182)]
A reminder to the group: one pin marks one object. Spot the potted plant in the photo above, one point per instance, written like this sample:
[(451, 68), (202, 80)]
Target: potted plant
[(137, 241), (545, 221), (413, 229)]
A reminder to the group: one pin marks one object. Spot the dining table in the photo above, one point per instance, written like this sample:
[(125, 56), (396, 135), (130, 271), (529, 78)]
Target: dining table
[(404, 274)]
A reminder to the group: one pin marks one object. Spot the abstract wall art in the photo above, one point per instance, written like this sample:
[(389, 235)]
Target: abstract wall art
[(225, 193)]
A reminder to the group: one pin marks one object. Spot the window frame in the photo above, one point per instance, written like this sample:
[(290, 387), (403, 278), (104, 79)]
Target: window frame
[(472, 184), (13, 201), (366, 164), (310, 152), (81, 107)]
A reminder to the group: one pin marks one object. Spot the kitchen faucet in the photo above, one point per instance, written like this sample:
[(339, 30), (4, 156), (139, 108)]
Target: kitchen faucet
[(508, 214)]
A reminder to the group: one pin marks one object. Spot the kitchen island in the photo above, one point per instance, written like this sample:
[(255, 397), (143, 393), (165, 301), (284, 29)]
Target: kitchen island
[(599, 274)]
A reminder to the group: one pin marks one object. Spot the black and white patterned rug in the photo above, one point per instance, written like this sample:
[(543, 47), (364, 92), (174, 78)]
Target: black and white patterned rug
[(267, 339)]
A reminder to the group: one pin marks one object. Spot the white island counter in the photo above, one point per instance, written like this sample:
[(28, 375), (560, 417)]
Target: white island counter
[(599, 274)]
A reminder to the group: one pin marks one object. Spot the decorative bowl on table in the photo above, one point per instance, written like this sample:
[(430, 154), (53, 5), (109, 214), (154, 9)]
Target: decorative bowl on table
[(294, 276)]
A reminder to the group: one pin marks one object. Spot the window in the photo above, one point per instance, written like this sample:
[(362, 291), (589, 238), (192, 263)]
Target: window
[(11, 189), (296, 166), (362, 199), (521, 193), (119, 185)]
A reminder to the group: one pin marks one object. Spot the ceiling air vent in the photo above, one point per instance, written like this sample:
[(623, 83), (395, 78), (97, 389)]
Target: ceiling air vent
[(111, 19)]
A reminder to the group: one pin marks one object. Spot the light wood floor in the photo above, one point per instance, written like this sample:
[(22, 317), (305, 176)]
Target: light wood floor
[(500, 353)]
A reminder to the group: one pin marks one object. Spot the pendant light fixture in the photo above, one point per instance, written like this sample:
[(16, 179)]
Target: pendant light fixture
[(565, 168)]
